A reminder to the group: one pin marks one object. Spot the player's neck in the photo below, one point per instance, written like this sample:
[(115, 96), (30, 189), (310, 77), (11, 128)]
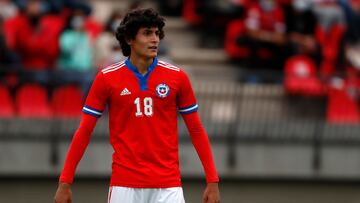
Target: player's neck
[(141, 63)]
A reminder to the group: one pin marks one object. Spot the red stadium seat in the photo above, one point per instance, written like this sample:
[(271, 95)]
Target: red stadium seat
[(342, 104), (32, 102), (6, 103), (67, 102), (301, 77)]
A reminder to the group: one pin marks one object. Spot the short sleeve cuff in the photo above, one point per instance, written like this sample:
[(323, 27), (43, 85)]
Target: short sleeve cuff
[(92, 111), (189, 109)]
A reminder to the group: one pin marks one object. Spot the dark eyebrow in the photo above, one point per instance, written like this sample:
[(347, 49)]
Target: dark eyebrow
[(150, 28)]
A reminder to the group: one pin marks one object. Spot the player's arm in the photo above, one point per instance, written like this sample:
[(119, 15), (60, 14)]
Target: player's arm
[(93, 107), (77, 148), (188, 109), (201, 143)]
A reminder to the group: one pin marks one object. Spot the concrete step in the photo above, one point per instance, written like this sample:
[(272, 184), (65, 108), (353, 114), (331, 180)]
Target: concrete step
[(193, 55), (203, 72), (175, 23), (181, 38)]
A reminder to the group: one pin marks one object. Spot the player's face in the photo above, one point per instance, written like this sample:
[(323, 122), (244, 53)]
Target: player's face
[(146, 42)]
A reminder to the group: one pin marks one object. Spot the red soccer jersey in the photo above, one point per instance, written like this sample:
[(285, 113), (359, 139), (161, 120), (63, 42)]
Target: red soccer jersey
[(143, 120)]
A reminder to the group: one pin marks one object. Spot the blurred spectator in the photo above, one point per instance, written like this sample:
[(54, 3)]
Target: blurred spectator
[(264, 33), (34, 36), (300, 26), (7, 56), (107, 49), (328, 13), (7, 9), (76, 58), (9, 62), (216, 15), (352, 35), (91, 26), (329, 33)]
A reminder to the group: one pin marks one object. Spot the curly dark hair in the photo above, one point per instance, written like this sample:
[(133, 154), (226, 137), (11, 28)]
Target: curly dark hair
[(133, 21)]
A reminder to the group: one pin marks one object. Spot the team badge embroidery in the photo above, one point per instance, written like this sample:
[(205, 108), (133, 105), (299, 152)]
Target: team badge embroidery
[(162, 90)]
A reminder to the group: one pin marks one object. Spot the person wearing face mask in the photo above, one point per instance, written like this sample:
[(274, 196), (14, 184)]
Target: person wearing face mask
[(107, 49), (300, 29), (75, 64), (264, 33), (33, 34)]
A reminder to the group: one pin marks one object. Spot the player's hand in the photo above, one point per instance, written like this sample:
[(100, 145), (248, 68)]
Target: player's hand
[(211, 194), (63, 194)]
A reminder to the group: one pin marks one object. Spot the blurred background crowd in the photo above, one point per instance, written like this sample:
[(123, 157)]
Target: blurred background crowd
[(312, 46)]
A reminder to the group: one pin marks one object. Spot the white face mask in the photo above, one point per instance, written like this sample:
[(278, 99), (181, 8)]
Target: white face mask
[(301, 5), (267, 5), (78, 22)]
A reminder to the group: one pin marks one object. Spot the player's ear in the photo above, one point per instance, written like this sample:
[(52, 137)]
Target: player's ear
[(128, 41)]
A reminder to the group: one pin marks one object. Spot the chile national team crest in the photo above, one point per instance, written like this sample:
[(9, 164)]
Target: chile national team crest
[(162, 90)]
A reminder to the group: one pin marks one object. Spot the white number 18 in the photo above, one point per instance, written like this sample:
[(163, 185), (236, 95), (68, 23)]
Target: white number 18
[(148, 107)]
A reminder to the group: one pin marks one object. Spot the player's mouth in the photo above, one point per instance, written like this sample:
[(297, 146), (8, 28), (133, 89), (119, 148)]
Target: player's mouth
[(153, 48)]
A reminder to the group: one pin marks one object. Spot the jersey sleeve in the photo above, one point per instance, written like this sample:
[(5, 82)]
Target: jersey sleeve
[(186, 101), (202, 145), (96, 100), (77, 147)]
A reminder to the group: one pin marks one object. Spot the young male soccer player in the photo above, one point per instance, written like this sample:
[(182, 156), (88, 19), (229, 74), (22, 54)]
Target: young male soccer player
[(143, 96)]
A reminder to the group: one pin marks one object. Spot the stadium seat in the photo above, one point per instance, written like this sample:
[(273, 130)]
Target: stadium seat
[(342, 104), (301, 77), (67, 102), (6, 103), (32, 102)]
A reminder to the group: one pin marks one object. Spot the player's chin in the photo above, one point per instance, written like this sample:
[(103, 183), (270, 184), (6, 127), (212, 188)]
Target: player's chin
[(152, 54)]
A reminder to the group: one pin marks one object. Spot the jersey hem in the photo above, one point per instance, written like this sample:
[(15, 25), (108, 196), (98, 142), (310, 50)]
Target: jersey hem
[(122, 184)]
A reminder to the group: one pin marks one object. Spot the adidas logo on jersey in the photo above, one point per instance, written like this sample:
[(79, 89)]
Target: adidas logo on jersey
[(125, 92)]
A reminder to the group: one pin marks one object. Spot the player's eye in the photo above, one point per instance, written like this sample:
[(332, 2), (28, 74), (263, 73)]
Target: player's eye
[(147, 32)]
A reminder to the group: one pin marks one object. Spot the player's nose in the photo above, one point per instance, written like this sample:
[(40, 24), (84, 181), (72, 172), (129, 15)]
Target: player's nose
[(155, 38)]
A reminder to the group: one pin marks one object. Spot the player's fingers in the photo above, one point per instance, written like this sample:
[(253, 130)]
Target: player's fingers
[(204, 199), (212, 199)]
